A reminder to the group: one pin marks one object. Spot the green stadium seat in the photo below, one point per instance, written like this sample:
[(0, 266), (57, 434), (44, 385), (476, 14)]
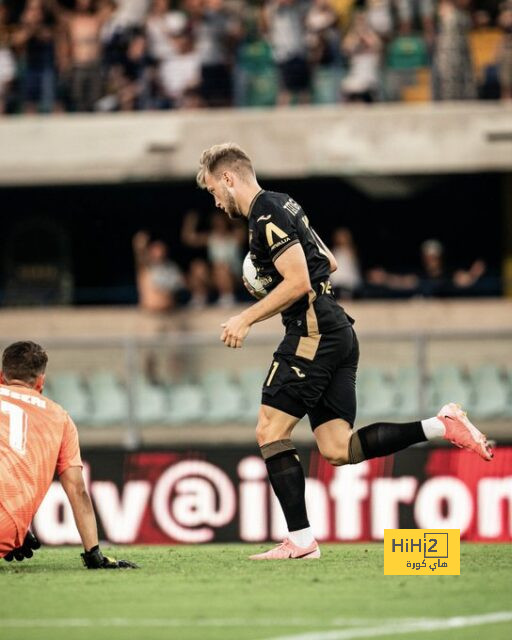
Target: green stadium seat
[(109, 399), (257, 74), (327, 85), (67, 389), (224, 400), (150, 402), (407, 386), (449, 385), (491, 392), (251, 382), (407, 52), (376, 394), (186, 404)]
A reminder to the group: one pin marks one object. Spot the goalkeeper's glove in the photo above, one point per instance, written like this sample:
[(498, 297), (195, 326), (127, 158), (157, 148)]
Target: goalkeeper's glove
[(30, 544), (94, 559)]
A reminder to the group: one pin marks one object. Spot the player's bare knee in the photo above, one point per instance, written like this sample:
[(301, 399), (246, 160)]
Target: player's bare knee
[(336, 456), (268, 430)]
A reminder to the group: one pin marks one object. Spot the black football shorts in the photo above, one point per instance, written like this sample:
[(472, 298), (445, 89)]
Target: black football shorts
[(315, 378)]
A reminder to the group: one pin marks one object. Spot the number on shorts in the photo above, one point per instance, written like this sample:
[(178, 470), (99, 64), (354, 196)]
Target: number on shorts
[(17, 426), (272, 373)]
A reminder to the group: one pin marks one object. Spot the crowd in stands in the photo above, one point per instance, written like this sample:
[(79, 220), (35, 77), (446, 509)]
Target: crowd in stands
[(213, 276), (124, 55)]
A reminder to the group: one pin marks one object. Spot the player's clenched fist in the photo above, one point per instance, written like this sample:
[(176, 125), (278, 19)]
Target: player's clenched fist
[(235, 331), (94, 559)]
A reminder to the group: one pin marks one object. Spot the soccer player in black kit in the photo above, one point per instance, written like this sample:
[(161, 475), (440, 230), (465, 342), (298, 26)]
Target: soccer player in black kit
[(313, 370)]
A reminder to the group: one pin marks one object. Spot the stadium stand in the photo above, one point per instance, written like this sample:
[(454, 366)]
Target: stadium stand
[(167, 57)]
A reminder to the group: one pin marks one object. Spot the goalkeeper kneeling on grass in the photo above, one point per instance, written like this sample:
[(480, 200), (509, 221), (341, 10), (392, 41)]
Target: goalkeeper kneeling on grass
[(37, 439)]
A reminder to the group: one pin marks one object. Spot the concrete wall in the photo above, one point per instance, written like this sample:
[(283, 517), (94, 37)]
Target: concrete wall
[(339, 140), (375, 317)]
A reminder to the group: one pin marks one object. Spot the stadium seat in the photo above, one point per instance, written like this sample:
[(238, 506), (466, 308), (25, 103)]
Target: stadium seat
[(224, 398), (327, 85), (186, 404), (490, 392), (150, 402), (421, 90), (449, 385), (68, 390), (257, 76), (376, 396), (109, 399), (251, 381), (407, 386), (407, 52)]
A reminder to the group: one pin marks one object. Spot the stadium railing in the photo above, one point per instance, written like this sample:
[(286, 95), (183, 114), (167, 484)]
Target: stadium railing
[(134, 385)]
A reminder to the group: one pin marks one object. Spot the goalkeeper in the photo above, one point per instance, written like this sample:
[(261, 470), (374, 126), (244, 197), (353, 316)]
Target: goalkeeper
[(37, 439)]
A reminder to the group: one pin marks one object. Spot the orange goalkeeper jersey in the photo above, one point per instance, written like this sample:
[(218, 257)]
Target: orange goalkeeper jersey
[(37, 438)]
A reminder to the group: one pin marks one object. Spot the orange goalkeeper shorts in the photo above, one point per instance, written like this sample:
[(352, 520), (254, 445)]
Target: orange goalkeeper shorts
[(8, 533)]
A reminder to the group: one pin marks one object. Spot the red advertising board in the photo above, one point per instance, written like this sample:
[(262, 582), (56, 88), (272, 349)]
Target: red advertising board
[(222, 494)]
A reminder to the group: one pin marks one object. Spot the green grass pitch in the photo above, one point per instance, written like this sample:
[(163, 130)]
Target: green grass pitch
[(213, 592)]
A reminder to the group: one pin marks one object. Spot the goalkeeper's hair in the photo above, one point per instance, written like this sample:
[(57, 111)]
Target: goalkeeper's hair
[(24, 361), (222, 156)]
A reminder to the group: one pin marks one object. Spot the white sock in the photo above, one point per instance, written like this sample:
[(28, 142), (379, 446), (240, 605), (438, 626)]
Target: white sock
[(433, 428), (302, 538)]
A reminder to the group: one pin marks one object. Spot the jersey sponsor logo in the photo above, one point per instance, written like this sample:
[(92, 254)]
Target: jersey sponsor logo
[(291, 206), (280, 243), (264, 218), (272, 230), (299, 372)]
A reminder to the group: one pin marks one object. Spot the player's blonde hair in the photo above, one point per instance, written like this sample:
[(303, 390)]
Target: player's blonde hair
[(219, 156)]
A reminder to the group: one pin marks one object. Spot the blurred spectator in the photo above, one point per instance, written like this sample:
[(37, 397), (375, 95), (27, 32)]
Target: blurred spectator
[(363, 47), (435, 278), (85, 55), (344, 10), (347, 279), (180, 73), (158, 279), (452, 70), (131, 81), (322, 33), (379, 18), (218, 31), (130, 13), (33, 40), (82, 58), (160, 25), (7, 62), (505, 54), (199, 284), (412, 11), (284, 22), (222, 244)]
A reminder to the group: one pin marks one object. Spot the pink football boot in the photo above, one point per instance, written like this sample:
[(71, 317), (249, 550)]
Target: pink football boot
[(461, 432), (288, 550)]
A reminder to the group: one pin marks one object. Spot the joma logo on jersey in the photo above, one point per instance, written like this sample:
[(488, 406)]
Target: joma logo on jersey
[(299, 372)]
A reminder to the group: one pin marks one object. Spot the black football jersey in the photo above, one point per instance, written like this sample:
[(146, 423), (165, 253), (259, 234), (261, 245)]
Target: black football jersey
[(277, 222)]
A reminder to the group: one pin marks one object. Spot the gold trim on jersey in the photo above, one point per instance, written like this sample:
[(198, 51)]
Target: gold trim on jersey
[(308, 345)]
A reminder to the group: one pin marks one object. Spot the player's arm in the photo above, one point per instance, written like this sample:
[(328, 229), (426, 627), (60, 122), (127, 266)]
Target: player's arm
[(73, 484), (292, 266)]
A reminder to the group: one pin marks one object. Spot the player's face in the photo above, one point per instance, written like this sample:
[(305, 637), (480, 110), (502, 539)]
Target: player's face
[(223, 195)]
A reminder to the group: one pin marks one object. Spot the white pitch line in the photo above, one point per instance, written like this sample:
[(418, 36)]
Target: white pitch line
[(400, 627), (180, 622)]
